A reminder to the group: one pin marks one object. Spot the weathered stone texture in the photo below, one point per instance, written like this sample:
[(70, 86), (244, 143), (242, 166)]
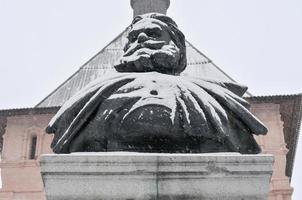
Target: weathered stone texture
[(87, 176)]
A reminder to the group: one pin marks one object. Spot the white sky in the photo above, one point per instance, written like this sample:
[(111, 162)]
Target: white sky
[(256, 42)]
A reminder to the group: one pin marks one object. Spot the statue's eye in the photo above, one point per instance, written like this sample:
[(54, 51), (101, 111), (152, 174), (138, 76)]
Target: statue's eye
[(154, 32)]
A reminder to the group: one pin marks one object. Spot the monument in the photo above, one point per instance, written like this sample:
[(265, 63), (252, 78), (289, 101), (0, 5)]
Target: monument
[(160, 135), (147, 107)]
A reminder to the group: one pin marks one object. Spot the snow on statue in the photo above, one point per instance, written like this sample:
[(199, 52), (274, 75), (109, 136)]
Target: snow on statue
[(148, 107)]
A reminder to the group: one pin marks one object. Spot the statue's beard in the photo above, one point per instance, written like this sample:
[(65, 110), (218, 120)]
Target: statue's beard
[(150, 56)]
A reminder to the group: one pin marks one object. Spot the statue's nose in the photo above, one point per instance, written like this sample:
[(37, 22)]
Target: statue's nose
[(142, 37)]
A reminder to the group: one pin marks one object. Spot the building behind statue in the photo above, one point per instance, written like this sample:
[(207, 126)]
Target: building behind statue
[(23, 130)]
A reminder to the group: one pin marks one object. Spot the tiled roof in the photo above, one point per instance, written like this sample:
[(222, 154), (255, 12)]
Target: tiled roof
[(291, 115), (102, 63)]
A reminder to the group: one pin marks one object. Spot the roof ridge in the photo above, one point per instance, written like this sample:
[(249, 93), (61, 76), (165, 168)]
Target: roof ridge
[(102, 50), (82, 66), (210, 61)]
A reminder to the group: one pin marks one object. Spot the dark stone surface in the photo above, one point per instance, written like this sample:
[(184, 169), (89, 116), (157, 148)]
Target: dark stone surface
[(152, 109), (154, 44)]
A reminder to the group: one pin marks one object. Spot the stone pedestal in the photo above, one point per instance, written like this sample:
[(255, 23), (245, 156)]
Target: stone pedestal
[(227, 176)]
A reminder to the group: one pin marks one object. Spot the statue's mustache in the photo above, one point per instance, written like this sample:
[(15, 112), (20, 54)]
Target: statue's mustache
[(150, 44)]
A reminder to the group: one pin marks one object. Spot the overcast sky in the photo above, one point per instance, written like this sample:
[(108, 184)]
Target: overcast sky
[(256, 42)]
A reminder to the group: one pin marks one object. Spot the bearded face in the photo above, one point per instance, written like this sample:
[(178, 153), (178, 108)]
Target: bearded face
[(150, 48)]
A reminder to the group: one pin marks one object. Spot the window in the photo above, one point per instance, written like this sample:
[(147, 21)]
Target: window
[(33, 145)]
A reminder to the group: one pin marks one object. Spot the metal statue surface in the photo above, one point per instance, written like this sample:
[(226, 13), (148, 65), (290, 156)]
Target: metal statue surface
[(148, 107)]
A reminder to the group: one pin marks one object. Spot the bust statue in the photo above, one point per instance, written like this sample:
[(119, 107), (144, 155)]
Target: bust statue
[(149, 107)]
